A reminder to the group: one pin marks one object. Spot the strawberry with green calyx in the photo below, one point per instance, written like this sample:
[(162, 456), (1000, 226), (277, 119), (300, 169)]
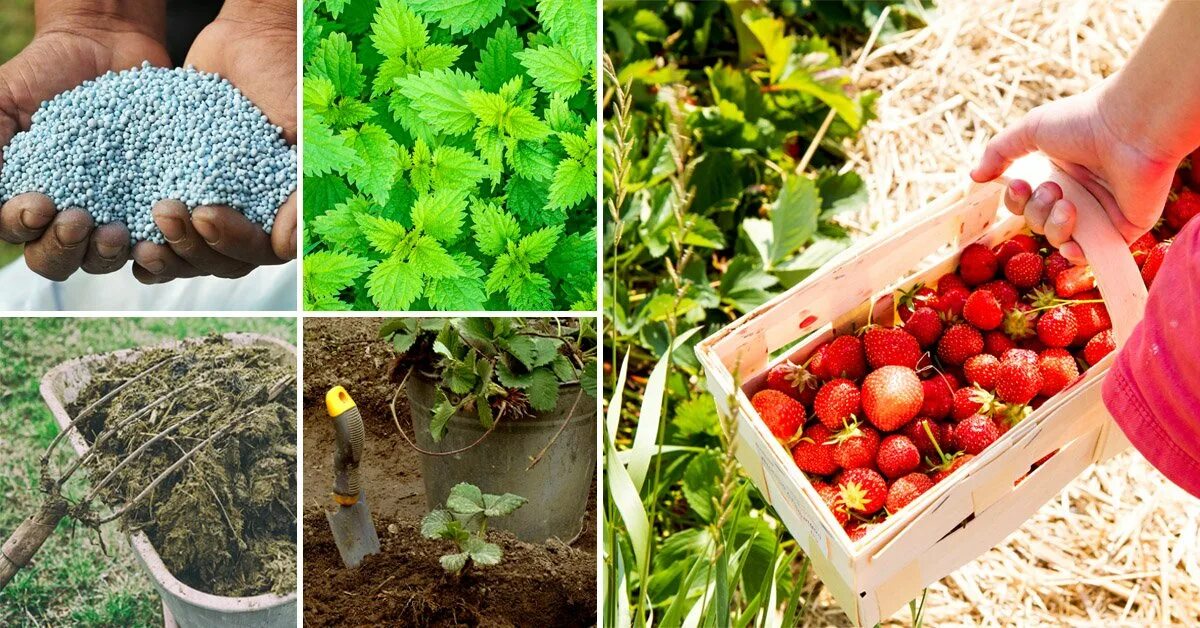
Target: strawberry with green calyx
[(945, 463), (924, 324), (897, 456), (813, 453), (890, 346), (926, 435), (1010, 415), (863, 491), (983, 310), (974, 400), (1004, 292), (958, 343), (1091, 317), (1024, 270), (942, 472), (793, 380), (906, 489), (1020, 322), (891, 397), (1099, 346), (915, 297), (833, 499), (782, 415), (838, 401), (855, 446)]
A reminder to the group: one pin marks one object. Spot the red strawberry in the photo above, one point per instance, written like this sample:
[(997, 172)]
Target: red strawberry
[(783, 415), (950, 281), (793, 380), (996, 343), (1099, 346), (1058, 369), (857, 531), (981, 370), (977, 264), (1181, 208), (1074, 280), (1018, 379), (925, 325), (938, 396), (959, 343), (966, 403), (904, 490), (1055, 264), (1024, 270), (855, 446), (833, 498), (897, 456), (1057, 328), (837, 402), (983, 310), (914, 298), (1026, 355), (816, 362), (1020, 322), (891, 397), (845, 358), (953, 466), (974, 433), (1154, 261), (863, 491), (1090, 319), (950, 303), (1004, 292), (926, 446), (891, 345), (1020, 243), (1141, 247), (813, 453)]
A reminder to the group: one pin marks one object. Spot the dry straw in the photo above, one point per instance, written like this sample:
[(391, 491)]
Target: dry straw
[(1119, 545)]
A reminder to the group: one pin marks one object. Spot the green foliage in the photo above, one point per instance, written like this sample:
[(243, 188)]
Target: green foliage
[(499, 369), (464, 521), (429, 122)]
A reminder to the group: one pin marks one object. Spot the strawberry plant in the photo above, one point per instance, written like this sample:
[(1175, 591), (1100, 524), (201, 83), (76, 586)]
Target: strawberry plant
[(464, 521), (450, 159)]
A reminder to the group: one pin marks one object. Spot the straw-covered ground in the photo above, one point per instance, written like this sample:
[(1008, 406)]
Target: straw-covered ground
[(1119, 546)]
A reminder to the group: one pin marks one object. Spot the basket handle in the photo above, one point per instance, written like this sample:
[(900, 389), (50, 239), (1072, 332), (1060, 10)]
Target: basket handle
[(1116, 273)]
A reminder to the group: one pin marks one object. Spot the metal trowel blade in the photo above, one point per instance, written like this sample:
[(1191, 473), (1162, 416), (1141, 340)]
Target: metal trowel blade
[(353, 532)]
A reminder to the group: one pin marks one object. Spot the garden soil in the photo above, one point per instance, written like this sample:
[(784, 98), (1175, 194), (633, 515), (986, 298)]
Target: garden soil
[(552, 584)]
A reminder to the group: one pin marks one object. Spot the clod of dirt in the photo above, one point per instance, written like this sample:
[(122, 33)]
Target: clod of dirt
[(225, 522), (535, 585)]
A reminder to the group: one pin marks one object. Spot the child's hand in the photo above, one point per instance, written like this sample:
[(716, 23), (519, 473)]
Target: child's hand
[(1125, 171)]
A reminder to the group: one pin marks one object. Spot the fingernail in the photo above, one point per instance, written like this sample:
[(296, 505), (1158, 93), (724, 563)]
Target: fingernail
[(71, 234), (172, 228), (1059, 218), (155, 266), (207, 230), (108, 251), (27, 217), (1040, 196)]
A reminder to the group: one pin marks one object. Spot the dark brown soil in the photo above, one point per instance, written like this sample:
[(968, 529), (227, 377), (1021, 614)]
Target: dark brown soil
[(536, 585)]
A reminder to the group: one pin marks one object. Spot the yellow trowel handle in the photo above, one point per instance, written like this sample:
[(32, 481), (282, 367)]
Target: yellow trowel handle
[(348, 425)]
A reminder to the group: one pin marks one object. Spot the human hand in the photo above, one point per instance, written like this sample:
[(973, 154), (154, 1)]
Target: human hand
[(1127, 173), (256, 53), (62, 55)]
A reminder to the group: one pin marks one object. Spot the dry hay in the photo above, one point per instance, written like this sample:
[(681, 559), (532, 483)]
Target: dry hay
[(1119, 545)]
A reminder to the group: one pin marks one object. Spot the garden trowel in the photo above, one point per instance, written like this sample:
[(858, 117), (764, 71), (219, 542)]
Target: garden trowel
[(350, 521)]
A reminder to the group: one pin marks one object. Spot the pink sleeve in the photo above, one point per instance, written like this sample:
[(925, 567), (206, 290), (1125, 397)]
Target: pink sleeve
[(1153, 390)]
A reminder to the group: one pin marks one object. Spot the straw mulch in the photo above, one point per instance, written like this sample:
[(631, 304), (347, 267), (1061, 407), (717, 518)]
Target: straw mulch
[(1119, 546)]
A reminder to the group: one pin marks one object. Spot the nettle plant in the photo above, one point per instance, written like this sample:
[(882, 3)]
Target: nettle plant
[(464, 521), (450, 155), (499, 368)]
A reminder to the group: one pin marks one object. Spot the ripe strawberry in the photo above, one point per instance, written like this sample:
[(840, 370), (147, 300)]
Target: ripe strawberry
[(855, 446), (954, 465), (1055, 264), (904, 490), (1074, 280), (977, 264), (813, 453), (897, 456), (793, 380), (1141, 247), (1018, 379), (816, 362), (938, 396), (1020, 243), (966, 403), (864, 491), (1154, 261), (1099, 346), (926, 446), (857, 531), (983, 310), (891, 345), (1181, 208), (996, 343), (1090, 318), (981, 370), (783, 415), (974, 433), (837, 402), (925, 325), (950, 281), (950, 303), (912, 299), (1058, 369), (1004, 292), (891, 397), (1057, 328), (845, 358), (1024, 270), (959, 343), (1020, 321), (833, 498), (1027, 355)]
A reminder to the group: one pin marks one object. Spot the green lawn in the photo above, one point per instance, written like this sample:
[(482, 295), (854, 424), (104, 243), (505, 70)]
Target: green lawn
[(16, 27), (71, 581)]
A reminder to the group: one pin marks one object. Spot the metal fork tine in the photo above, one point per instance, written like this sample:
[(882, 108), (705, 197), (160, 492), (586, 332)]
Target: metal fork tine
[(137, 452)]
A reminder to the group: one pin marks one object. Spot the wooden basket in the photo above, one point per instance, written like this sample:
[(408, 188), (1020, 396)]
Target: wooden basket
[(990, 496)]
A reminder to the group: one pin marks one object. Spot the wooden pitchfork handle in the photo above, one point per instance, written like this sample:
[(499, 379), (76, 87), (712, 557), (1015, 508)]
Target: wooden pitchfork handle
[(28, 538)]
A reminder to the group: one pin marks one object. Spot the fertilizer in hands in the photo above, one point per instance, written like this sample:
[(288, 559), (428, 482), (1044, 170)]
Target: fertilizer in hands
[(116, 145)]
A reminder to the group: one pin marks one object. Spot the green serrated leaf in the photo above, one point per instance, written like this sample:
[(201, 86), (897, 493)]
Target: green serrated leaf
[(554, 69), (440, 214), (494, 228), (502, 505), (378, 161), (382, 234), (435, 523), (432, 260), (335, 61), (465, 499), (482, 552), (396, 30), (573, 182), (438, 98), (326, 273), (325, 152), (497, 61), (543, 390), (395, 284), (462, 293), (459, 16), (442, 411)]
